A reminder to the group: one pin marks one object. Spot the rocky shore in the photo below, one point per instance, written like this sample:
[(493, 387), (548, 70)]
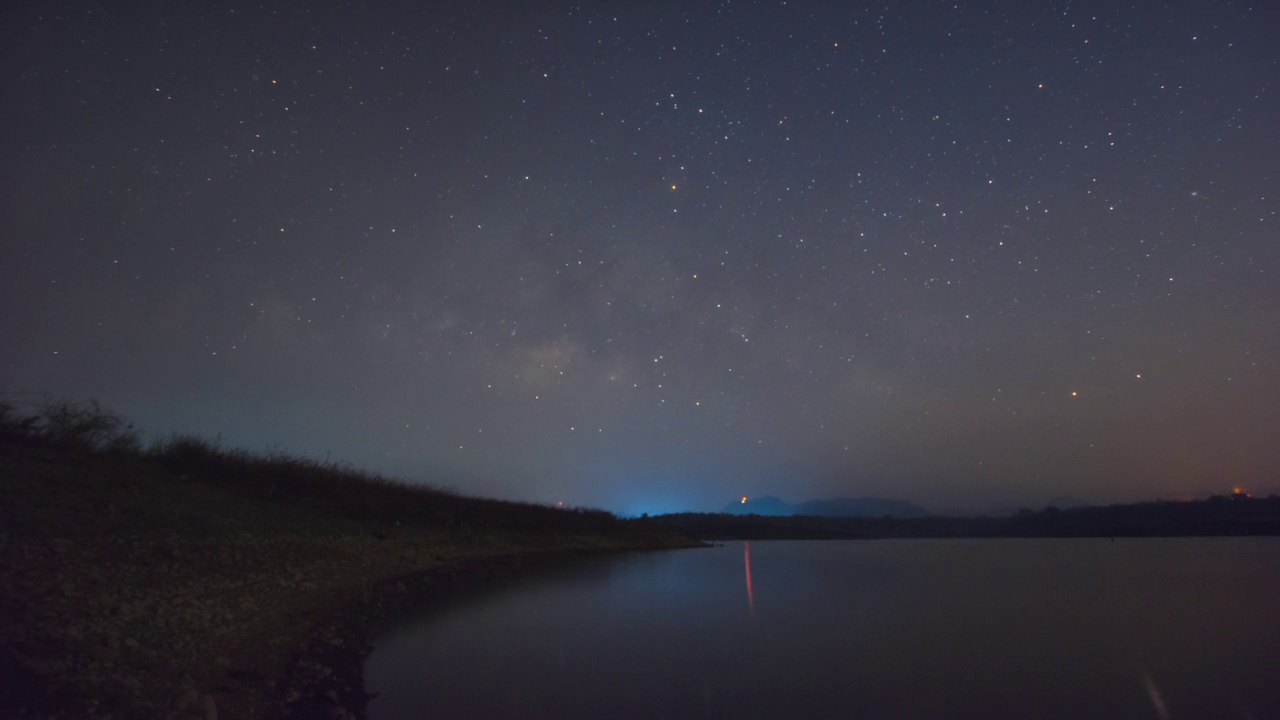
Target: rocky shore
[(127, 591)]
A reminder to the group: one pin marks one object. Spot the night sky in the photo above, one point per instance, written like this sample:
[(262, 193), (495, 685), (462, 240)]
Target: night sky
[(651, 257)]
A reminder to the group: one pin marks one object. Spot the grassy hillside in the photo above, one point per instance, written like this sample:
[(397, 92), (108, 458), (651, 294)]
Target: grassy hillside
[(189, 580)]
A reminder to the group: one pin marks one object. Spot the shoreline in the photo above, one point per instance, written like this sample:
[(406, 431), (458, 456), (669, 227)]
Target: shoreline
[(199, 583), (327, 673), (233, 648)]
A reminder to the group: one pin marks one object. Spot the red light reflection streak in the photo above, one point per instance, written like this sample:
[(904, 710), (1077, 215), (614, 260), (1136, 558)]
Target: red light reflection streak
[(751, 598)]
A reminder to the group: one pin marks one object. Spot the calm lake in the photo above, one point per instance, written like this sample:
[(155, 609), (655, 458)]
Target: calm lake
[(1082, 628)]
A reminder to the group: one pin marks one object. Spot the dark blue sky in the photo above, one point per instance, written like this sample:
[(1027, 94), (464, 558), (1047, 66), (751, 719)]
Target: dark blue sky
[(655, 256)]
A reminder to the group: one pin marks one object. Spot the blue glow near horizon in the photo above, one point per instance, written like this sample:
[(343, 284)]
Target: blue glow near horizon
[(660, 507), (638, 511)]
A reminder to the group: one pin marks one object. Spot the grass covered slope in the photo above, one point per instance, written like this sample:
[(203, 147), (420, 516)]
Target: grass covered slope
[(185, 580)]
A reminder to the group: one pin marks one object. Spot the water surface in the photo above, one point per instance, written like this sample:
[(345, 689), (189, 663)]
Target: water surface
[(1136, 628)]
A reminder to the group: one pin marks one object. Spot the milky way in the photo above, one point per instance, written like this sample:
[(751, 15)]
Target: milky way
[(651, 258)]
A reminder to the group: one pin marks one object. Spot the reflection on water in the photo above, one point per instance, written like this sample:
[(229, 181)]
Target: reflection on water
[(1157, 700), (1159, 628)]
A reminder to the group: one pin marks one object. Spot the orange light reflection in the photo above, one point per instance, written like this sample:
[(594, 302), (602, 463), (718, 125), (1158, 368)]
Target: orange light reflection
[(751, 598)]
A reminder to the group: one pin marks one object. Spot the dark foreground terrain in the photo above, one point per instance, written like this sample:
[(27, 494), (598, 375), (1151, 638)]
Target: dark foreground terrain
[(188, 581)]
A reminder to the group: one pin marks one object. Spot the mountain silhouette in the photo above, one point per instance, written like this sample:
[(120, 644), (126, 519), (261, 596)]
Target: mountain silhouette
[(768, 505), (835, 507)]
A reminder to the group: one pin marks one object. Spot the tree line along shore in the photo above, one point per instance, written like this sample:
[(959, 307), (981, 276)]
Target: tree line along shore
[(1235, 514)]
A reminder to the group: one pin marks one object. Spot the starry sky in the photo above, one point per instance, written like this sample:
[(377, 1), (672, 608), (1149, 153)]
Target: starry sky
[(653, 256)]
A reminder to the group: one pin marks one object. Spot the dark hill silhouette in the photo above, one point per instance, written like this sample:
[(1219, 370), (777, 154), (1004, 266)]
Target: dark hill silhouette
[(863, 507), (768, 505), (1067, 502), (227, 565), (1219, 515)]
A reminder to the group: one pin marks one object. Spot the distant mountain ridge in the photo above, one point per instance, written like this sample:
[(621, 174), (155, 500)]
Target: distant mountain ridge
[(862, 507), (1238, 514)]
